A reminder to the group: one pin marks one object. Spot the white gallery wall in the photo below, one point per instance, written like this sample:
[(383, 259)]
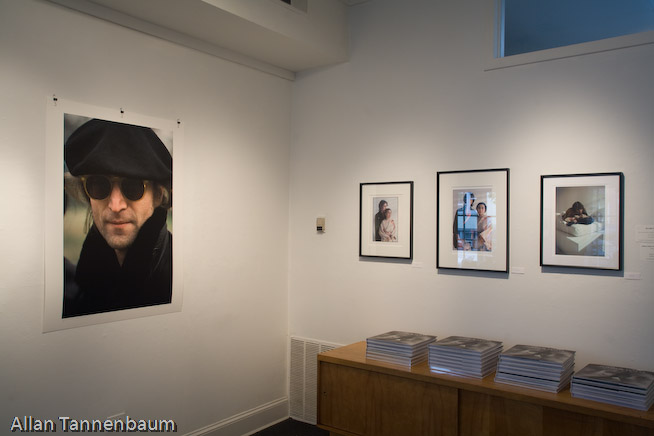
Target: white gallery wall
[(413, 100), (224, 357)]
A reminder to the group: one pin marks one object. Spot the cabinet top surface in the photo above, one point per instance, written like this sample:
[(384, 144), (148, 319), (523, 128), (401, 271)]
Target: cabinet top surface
[(354, 355)]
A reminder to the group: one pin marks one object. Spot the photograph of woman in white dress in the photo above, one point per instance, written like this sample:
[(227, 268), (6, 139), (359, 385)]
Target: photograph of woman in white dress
[(484, 229), (381, 206), (387, 228)]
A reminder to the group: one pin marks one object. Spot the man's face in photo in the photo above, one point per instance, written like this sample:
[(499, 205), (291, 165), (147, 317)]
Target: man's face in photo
[(119, 219)]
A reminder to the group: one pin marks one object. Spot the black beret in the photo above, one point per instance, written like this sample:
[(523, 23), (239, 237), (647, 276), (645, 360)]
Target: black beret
[(107, 147)]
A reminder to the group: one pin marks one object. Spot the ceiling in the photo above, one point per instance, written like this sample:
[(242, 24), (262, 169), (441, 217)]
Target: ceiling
[(264, 34)]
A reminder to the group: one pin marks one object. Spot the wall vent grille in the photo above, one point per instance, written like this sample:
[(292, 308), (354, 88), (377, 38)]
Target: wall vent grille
[(303, 379)]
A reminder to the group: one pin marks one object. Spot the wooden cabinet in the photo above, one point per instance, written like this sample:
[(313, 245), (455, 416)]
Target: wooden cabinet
[(360, 397), (372, 403)]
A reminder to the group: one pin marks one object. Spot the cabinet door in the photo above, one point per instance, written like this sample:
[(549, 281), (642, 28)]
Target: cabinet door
[(565, 423), (486, 415), (368, 403), (341, 398)]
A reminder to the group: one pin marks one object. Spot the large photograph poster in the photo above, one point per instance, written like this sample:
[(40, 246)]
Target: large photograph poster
[(109, 243)]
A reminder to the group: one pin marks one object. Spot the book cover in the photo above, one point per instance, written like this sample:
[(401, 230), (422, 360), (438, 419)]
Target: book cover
[(614, 375), (463, 343), (541, 354), (400, 338)]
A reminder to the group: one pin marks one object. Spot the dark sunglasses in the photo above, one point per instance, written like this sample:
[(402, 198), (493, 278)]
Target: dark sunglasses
[(100, 187)]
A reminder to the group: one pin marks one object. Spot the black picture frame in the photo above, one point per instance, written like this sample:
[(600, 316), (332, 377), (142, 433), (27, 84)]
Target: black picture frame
[(472, 220), (581, 220), (391, 236)]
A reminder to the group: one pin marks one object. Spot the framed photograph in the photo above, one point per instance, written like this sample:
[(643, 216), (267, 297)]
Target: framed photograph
[(581, 220), (386, 220), (472, 220), (109, 244)]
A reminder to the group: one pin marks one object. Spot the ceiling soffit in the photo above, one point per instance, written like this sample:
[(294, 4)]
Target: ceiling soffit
[(267, 35)]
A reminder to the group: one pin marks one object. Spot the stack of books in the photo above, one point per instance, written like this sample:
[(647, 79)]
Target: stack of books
[(400, 348), (610, 384), (464, 356), (546, 369)]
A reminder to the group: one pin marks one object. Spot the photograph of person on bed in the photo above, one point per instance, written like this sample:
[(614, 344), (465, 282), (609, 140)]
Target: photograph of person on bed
[(579, 228), (577, 215)]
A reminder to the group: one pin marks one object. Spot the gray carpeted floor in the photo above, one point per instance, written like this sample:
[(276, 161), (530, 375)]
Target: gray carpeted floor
[(291, 427)]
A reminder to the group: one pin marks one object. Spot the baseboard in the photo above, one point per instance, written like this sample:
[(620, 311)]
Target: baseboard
[(248, 422)]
